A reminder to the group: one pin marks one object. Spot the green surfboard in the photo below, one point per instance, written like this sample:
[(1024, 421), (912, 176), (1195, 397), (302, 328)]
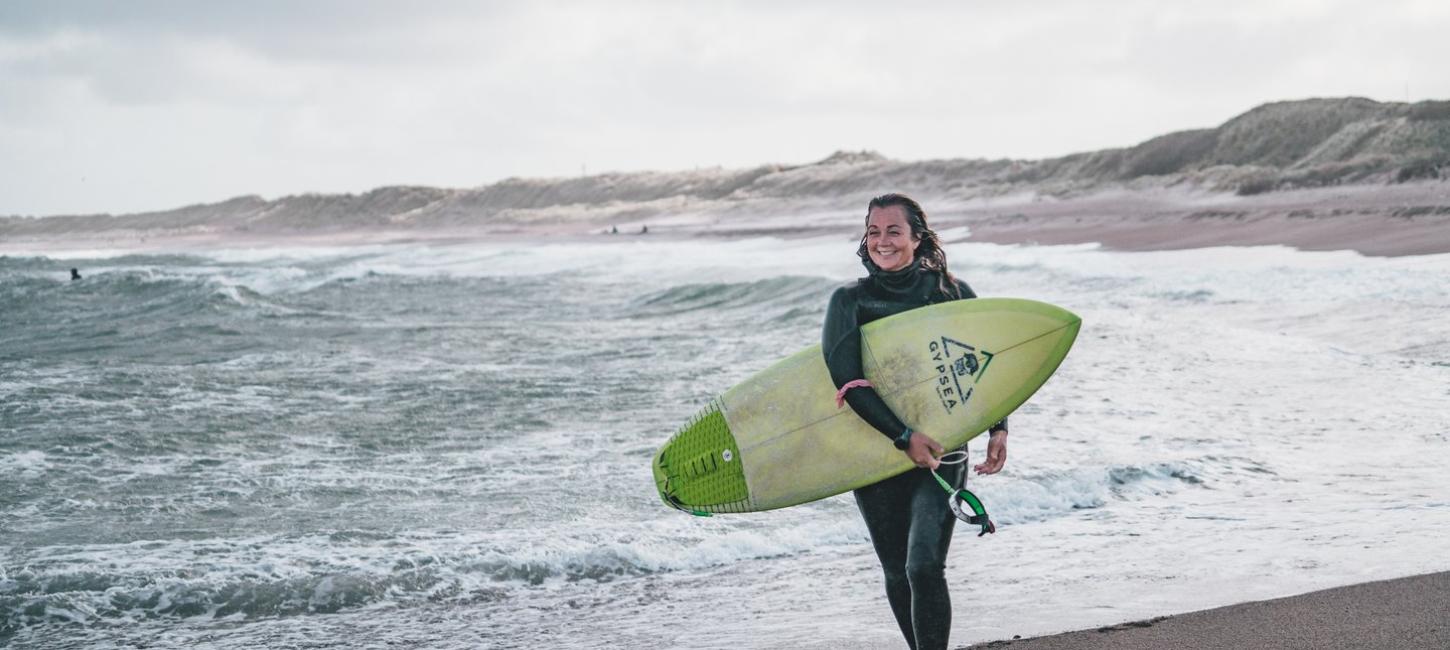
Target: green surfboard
[(777, 439)]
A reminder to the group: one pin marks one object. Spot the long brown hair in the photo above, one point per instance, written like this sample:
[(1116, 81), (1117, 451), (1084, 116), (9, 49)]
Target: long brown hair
[(929, 253)]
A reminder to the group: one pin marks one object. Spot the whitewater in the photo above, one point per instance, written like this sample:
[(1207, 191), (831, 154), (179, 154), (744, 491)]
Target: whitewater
[(448, 445)]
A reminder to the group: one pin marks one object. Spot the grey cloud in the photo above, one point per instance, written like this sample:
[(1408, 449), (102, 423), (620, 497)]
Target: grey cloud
[(320, 30)]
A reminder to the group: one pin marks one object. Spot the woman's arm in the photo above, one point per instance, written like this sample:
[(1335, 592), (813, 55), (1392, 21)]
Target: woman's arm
[(841, 345)]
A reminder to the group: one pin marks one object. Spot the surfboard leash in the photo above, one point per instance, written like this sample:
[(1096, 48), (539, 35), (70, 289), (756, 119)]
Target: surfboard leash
[(957, 496)]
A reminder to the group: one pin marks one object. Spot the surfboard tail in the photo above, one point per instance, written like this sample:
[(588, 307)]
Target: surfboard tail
[(699, 470)]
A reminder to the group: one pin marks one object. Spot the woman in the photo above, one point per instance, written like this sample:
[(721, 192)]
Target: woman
[(908, 516)]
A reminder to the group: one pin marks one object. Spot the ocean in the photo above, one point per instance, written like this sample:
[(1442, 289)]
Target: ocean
[(448, 446)]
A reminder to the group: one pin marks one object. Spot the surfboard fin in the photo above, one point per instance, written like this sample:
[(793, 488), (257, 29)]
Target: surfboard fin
[(675, 503)]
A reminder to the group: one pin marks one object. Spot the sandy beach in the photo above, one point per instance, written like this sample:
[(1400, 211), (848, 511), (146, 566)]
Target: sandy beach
[(1405, 614), (1393, 220)]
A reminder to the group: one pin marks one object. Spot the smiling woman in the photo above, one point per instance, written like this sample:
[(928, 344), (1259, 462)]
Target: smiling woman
[(910, 524)]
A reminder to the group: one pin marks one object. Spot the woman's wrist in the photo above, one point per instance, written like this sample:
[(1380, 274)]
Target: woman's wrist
[(903, 441)]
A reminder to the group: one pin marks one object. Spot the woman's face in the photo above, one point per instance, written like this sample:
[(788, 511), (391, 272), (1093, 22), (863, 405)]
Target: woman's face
[(889, 241)]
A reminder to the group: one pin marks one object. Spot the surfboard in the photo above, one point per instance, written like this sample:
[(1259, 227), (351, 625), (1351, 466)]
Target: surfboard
[(778, 439)]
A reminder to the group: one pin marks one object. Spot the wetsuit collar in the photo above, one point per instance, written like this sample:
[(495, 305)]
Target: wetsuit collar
[(899, 279), (912, 283)]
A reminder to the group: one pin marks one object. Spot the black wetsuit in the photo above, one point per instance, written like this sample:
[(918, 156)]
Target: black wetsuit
[(908, 515)]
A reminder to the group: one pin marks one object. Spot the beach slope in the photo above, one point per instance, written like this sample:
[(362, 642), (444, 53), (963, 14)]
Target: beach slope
[(1406, 614)]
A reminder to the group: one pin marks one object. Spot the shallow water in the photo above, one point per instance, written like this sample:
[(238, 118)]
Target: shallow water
[(448, 446)]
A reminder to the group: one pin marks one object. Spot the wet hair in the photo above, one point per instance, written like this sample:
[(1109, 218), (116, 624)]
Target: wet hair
[(929, 253)]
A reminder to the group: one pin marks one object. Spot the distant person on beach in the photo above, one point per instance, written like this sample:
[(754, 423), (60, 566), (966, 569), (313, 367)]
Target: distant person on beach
[(644, 230), (75, 274), (908, 517)]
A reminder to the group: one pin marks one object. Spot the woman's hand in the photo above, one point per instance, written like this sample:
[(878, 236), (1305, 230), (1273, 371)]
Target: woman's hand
[(996, 454), (923, 450)]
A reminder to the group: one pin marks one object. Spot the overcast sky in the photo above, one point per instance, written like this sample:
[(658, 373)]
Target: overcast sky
[(134, 106)]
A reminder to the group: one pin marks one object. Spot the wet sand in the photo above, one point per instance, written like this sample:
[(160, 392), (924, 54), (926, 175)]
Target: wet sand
[(1403, 614)]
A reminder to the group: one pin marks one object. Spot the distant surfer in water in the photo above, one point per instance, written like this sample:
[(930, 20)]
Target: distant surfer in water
[(909, 520), (75, 274)]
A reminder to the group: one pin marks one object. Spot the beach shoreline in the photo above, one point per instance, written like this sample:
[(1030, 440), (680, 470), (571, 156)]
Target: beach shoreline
[(1373, 220), (1403, 613)]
